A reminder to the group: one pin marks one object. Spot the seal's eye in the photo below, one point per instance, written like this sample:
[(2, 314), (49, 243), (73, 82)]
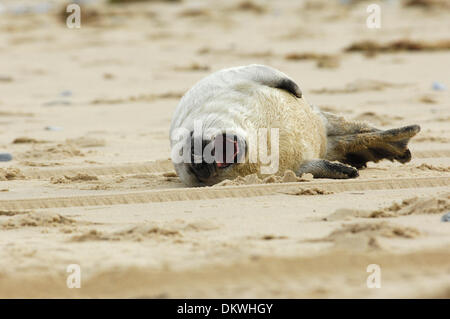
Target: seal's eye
[(226, 150)]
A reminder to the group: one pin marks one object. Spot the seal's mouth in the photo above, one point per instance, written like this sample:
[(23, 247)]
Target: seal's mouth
[(226, 151)]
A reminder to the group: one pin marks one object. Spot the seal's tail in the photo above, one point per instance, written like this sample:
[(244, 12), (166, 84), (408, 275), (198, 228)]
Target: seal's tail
[(356, 143)]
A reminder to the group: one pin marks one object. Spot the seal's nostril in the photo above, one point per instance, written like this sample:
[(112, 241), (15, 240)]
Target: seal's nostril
[(203, 171)]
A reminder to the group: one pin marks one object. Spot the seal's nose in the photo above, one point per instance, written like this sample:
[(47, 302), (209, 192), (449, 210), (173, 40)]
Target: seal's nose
[(202, 168), (203, 171)]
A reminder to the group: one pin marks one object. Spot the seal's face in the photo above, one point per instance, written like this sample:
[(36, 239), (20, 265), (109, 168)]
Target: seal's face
[(211, 159)]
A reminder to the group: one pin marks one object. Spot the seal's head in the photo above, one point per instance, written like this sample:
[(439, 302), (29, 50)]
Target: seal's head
[(209, 160)]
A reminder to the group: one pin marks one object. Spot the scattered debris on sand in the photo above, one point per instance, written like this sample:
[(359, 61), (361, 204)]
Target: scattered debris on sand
[(322, 60), (272, 237), (411, 206), (365, 236), (6, 78), (288, 177), (40, 164), (12, 212), (427, 99), (194, 12), (69, 179), (427, 4), (193, 67), (33, 219), (137, 233), (26, 140), (7, 174), (170, 174), (54, 152), (372, 48), (148, 231), (310, 191), (248, 6)]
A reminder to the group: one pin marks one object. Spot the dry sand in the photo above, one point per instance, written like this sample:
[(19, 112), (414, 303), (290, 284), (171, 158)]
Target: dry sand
[(86, 113)]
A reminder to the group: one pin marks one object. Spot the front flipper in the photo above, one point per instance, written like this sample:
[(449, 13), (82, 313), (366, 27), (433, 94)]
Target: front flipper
[(270, 77), (321, 168), (360, 148)]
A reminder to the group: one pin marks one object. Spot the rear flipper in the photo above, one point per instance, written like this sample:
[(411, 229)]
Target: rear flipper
[(356, 144), (321, 168)]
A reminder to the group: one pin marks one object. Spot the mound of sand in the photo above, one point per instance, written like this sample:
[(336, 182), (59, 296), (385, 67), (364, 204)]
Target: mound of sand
[(32, 219), (310, 191), (428, 167), (12, 212), (146, 231), (7, 174), (69, 179), (26, 140), (59, 151), (364, 236), (411, 206), (137, 233), (288, 177)]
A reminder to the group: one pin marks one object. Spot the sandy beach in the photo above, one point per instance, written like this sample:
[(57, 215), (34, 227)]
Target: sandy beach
[(85, 115)]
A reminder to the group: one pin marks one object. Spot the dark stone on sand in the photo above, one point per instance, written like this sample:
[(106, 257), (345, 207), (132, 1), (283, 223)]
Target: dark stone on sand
[(446, 217), (5, 157)]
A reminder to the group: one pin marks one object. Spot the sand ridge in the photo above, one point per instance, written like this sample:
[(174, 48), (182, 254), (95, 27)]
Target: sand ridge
[(241, 191), (411, 206)]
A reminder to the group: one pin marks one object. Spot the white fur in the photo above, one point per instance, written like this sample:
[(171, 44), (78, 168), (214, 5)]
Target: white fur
[(240, 99)]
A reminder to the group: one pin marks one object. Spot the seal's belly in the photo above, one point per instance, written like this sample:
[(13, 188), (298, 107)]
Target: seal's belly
[(301, 133)]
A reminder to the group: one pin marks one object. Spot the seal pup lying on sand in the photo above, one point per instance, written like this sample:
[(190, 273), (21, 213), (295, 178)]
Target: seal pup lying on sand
[(212, 131)]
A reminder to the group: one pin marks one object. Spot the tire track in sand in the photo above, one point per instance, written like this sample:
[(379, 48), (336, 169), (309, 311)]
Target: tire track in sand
[(184, 194), (159, 166), (431, 153)]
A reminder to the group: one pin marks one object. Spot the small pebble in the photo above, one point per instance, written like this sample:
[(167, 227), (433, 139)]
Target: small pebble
[(66, 93), (5, 157), (446, 217), (54, 128), (438, 86)]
